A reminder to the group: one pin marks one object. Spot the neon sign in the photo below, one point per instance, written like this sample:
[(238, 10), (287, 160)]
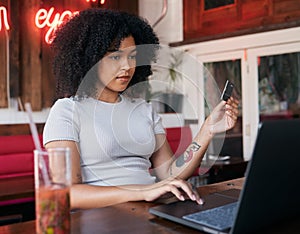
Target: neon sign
[(3, 12), (101, 1), (43, 19)]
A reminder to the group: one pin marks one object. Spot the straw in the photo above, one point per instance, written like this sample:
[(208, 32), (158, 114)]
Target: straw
[(36, 142), (33, 128)]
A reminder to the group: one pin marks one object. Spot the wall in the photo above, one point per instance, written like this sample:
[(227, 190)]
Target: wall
[(27, 77), (170, 28), (29, 69), (25, 57), (242, 17)]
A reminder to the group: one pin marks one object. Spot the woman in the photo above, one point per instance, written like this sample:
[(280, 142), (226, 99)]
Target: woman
[(115, 139)]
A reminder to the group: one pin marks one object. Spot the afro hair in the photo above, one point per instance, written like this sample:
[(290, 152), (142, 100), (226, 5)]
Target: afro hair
[(83, 41)]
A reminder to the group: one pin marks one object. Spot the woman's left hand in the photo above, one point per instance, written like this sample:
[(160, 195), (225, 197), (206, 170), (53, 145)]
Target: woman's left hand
[(223, 117)]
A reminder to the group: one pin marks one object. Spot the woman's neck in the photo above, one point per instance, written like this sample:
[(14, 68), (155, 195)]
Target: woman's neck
[(110, 98)]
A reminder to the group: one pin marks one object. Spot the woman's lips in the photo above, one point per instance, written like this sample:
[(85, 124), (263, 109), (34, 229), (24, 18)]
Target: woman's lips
[(123, 78)]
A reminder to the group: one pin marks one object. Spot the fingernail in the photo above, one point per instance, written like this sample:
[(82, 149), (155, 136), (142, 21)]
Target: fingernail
[(193, 197), (200, 201), (181, 198)]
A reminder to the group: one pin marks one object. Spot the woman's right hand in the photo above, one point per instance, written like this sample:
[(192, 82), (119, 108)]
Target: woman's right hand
[(178, 187)]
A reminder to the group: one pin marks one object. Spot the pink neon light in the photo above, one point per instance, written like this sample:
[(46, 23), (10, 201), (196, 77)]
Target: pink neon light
[(101, 1), (3, 12), (43, 19)]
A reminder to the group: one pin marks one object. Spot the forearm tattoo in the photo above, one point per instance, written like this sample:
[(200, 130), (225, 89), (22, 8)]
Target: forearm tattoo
[(171, 170), (79, 178), (188, 154)]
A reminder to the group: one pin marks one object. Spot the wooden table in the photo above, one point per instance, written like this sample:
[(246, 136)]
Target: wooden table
[(130, 217), (23, 187), (17, 194), (133, 217)]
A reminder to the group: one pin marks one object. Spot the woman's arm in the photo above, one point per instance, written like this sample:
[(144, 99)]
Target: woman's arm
[(165, 165), (85, 196), (90, 196), (222, 118)]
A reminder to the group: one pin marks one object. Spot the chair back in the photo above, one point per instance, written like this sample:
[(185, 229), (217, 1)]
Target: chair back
[(179, 139)]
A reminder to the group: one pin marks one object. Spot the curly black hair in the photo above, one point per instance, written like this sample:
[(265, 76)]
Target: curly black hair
[(84, 40)]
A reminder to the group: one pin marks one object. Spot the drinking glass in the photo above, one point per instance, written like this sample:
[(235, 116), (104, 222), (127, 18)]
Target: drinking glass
[(52, 169)]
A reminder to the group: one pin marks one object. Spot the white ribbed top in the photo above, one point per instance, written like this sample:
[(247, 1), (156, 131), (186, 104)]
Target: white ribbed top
[(116, 140)]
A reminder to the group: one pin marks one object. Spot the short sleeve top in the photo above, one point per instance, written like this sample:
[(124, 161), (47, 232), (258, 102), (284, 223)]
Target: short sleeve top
[(116, 140)]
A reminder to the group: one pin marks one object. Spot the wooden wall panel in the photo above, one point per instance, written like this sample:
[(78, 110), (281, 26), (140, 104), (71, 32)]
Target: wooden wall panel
[(14, 50), (131, 7), (286, 6), (219, 22), (48, 80), (286, 11), (30, 67), (3, 70), (3, 63), (19, 129), (31, 80), (75, 5), (261, 9), (243, 17), (191, 22)]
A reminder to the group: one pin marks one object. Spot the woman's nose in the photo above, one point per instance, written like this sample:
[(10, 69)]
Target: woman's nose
[(125, 64)]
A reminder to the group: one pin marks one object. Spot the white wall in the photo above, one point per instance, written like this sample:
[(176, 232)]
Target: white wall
[(170, 28)]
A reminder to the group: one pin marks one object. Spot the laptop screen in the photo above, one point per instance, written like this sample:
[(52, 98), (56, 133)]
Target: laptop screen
[(270, 193)]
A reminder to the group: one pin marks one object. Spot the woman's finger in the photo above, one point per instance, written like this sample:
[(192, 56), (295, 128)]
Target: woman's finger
[(173, 189), (234, 102), (232, 114), (188, 189), (199, 200)]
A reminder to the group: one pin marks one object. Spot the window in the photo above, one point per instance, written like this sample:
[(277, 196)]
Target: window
[(212, 4), (279, 86), (269, 79)]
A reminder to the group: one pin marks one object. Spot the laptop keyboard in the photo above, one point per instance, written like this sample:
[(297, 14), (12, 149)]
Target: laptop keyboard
[(220, 218)]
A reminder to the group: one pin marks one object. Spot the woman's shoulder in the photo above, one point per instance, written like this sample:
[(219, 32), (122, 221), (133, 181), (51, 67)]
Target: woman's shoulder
[(71, 101), (63, 103)]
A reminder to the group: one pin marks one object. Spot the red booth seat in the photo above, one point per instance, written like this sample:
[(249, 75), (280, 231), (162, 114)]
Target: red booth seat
[(16, 156), (179, 139), (16, 152)]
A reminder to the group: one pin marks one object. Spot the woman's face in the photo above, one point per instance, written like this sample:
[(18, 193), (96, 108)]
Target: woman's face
[(117, 67)]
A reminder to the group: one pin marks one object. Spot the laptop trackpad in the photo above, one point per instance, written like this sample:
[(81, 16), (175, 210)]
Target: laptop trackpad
[(179, 209)]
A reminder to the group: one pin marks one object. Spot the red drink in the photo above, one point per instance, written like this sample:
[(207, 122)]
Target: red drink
[(53, 209)]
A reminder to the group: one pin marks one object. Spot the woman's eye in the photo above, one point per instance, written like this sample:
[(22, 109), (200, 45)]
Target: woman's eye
[(115, 57), (132, 56)]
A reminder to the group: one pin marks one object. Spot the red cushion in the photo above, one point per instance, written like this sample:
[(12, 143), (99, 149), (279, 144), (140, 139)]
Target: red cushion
[(16, 155), (16, 163), (16, 144), (179, 139)]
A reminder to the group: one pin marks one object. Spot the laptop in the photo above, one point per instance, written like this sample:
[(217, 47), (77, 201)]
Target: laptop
[(270, 194)]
